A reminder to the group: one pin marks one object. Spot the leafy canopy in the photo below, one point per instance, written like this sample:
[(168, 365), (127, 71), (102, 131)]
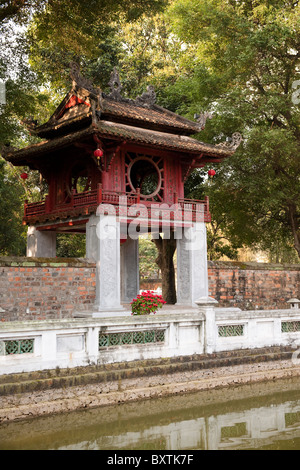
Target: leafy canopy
[(246, 67)]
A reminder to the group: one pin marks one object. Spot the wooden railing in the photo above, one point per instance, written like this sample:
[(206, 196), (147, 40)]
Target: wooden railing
[(92, 199)]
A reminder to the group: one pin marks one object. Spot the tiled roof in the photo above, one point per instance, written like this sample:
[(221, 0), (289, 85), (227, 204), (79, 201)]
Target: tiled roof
[(122, 132), (153, 115), (127, 112), (85, 110), (161, 139)]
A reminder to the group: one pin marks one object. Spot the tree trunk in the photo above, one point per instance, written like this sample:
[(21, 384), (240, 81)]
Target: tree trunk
[(166, 249), (294, 223)]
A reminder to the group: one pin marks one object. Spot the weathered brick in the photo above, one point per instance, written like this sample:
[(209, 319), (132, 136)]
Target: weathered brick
[(55, 292)]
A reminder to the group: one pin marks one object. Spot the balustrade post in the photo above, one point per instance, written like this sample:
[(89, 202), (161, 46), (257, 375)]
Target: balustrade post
[(99, 194), (175, 197), (206, 307), (138, 191)]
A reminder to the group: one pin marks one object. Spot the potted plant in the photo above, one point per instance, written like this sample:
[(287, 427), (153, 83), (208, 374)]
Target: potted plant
[(147, 302)]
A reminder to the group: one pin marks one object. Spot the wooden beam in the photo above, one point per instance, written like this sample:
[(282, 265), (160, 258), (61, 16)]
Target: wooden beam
[(60, 225)]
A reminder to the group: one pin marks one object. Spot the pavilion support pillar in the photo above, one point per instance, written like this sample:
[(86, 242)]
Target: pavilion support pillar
[(40, 244), (107, 253), (192, 273), (129, 270), (91, 245)]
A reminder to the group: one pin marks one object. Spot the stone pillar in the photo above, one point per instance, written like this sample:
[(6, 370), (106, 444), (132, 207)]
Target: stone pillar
[(129, 270), (40, 244), (91, 239), (108, 264), (192, 274)]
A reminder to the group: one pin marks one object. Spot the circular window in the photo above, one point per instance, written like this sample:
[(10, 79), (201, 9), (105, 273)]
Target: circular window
[(144, 174), (79, 180)]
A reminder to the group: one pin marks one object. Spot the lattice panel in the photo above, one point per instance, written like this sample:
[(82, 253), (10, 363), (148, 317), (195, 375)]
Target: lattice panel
[(290, 326), (20, 346), (131, 337), (230, 330)]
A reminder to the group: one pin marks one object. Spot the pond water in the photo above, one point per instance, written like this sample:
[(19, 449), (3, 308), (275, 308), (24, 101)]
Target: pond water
[(259, 416)]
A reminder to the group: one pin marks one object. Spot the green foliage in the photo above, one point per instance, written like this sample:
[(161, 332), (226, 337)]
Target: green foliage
[(85, 32), (147, 256), (249, 55), (50, 35), (70, 245), (12, 233), (238, 59), (150, 55)]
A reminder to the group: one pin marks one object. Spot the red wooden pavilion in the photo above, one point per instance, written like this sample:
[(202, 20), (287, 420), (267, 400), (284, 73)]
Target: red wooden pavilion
[(97, 147)]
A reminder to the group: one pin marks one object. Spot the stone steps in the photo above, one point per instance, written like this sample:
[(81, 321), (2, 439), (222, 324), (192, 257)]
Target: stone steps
[(12, 384)]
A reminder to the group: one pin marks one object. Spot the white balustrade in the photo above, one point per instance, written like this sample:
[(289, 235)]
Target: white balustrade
[(39, 345)]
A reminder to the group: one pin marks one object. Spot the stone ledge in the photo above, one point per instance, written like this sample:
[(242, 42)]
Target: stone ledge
[(23, 261), (13, 384), (230, 377), (244, 266)]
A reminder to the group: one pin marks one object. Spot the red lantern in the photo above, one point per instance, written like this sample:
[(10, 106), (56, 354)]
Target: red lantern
[(211, 173), (98, 153), (24, 176)]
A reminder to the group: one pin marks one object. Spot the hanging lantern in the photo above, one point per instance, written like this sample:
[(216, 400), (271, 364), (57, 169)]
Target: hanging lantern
[(98, 153), (211, 173), (24, 176)]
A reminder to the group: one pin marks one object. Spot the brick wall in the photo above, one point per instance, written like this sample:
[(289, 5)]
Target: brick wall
[(35, 289), (252, 286)]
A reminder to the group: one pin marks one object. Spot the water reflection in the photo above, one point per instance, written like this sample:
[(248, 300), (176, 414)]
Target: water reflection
[(265, 416)]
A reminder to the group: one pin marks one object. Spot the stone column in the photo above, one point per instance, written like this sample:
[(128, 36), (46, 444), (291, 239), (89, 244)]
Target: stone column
[(91, 239), (129, 270), (192, 274), (40, 244), (108, 264)]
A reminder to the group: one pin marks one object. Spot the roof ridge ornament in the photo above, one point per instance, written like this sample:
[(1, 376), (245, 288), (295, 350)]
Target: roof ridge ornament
[(115, 85), (232, 143), (147, 97), (202, 118), (81, 81)]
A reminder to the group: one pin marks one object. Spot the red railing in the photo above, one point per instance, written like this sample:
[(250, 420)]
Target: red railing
[(88, 198), (35, 208), (191, 208)]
